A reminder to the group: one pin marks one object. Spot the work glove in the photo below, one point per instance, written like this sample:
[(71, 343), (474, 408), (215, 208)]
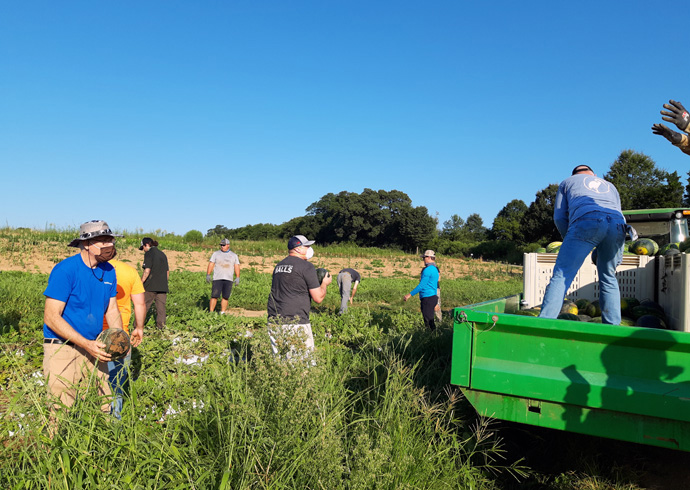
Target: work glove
[(676, 114), (237, 281), (208, 278), (669, 134)]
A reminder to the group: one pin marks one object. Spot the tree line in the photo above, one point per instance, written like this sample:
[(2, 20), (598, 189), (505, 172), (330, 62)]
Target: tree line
[(388, 218)]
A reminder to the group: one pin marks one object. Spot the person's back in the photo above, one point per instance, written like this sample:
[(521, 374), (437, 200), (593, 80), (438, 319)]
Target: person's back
[(587, 214), (289, 297), (157, 261), (583, 193)]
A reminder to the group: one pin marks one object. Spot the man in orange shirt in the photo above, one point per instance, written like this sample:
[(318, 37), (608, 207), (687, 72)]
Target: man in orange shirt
[(130, 290)]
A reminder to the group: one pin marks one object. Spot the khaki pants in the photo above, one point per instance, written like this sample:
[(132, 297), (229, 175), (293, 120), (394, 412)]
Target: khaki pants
[(69, 369)]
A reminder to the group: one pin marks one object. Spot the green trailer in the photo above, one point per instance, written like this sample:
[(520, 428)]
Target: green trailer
[(627, 383)]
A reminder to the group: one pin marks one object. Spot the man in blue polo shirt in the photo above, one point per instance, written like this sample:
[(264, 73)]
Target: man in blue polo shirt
[(81, 290), (427, 289)]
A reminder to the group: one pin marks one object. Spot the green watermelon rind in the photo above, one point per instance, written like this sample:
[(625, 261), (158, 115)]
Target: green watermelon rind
[(644, 246)]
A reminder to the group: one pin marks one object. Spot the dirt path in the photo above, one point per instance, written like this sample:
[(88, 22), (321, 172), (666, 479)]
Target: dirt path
[(43, 260)]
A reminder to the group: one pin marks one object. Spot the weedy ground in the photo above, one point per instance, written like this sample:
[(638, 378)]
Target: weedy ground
[(211, 408)]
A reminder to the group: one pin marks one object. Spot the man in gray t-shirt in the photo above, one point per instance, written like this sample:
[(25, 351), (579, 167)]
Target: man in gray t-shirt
[(223, 264), (293, 287)]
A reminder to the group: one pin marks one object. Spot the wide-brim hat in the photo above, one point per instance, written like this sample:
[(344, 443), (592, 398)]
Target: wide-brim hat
[(429, 253), (93, 229)]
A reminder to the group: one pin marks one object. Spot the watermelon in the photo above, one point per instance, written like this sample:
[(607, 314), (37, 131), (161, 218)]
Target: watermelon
[(640, 311), (593, 309), (650, 321), (669, 246), (553, 247), (671, 252), (627, 304), (116, 342), (651, 304), (644, 246), (585, 318), (568, 316), (627, 322), (569, 307), (321, 273), (596, 319), (684, 245), (582, 304), (528, 312)]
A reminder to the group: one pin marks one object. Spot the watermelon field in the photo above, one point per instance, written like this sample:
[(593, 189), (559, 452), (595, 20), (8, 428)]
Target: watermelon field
[(210, 408)]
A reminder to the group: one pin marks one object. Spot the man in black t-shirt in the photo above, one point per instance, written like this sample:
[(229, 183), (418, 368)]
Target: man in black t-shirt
[(155, 279), (348, 279), (293, 287)]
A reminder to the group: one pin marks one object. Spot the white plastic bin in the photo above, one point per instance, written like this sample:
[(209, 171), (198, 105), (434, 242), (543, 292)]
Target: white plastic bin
[(636, 278)]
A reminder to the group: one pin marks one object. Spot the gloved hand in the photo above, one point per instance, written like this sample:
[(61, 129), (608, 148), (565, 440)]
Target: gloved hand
[(208, 278), (676, 114), (667, 133), (237, 281)]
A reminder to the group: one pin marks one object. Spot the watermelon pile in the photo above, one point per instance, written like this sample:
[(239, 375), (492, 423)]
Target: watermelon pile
[(634, 313)]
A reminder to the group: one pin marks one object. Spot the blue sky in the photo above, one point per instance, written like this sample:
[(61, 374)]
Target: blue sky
[(180, 115)]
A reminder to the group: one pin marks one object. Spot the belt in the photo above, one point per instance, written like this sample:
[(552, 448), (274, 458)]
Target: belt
[(58, 341)]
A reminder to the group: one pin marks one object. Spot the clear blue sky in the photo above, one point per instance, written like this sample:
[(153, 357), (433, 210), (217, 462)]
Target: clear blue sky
[(180, 115)]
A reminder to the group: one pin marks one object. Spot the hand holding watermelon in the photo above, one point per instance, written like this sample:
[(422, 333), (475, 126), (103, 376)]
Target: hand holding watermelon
[(117, 343)]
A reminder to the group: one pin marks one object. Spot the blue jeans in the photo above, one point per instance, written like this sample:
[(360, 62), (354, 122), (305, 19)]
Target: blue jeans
[(119, 381), (604, 231)]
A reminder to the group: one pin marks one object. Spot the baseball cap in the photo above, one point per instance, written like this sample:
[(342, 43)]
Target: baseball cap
[(581, 168), (299, 240), (145, 241), (225, 241), (92, 229), (429, 253)]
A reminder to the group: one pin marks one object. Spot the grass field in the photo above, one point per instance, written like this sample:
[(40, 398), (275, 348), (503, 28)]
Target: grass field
[(211, 409)]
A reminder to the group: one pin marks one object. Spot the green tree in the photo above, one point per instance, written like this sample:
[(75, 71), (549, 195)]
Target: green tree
[(415, 228), (219, 230), (453, 228), (537, 223), (642, 185), (193, 236), (474, 228), (506, 225), (372, 218)]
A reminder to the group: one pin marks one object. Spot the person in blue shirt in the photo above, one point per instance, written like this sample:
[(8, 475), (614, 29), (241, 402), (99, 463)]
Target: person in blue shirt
[(588, 215), (427, 289), (81, 291)]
